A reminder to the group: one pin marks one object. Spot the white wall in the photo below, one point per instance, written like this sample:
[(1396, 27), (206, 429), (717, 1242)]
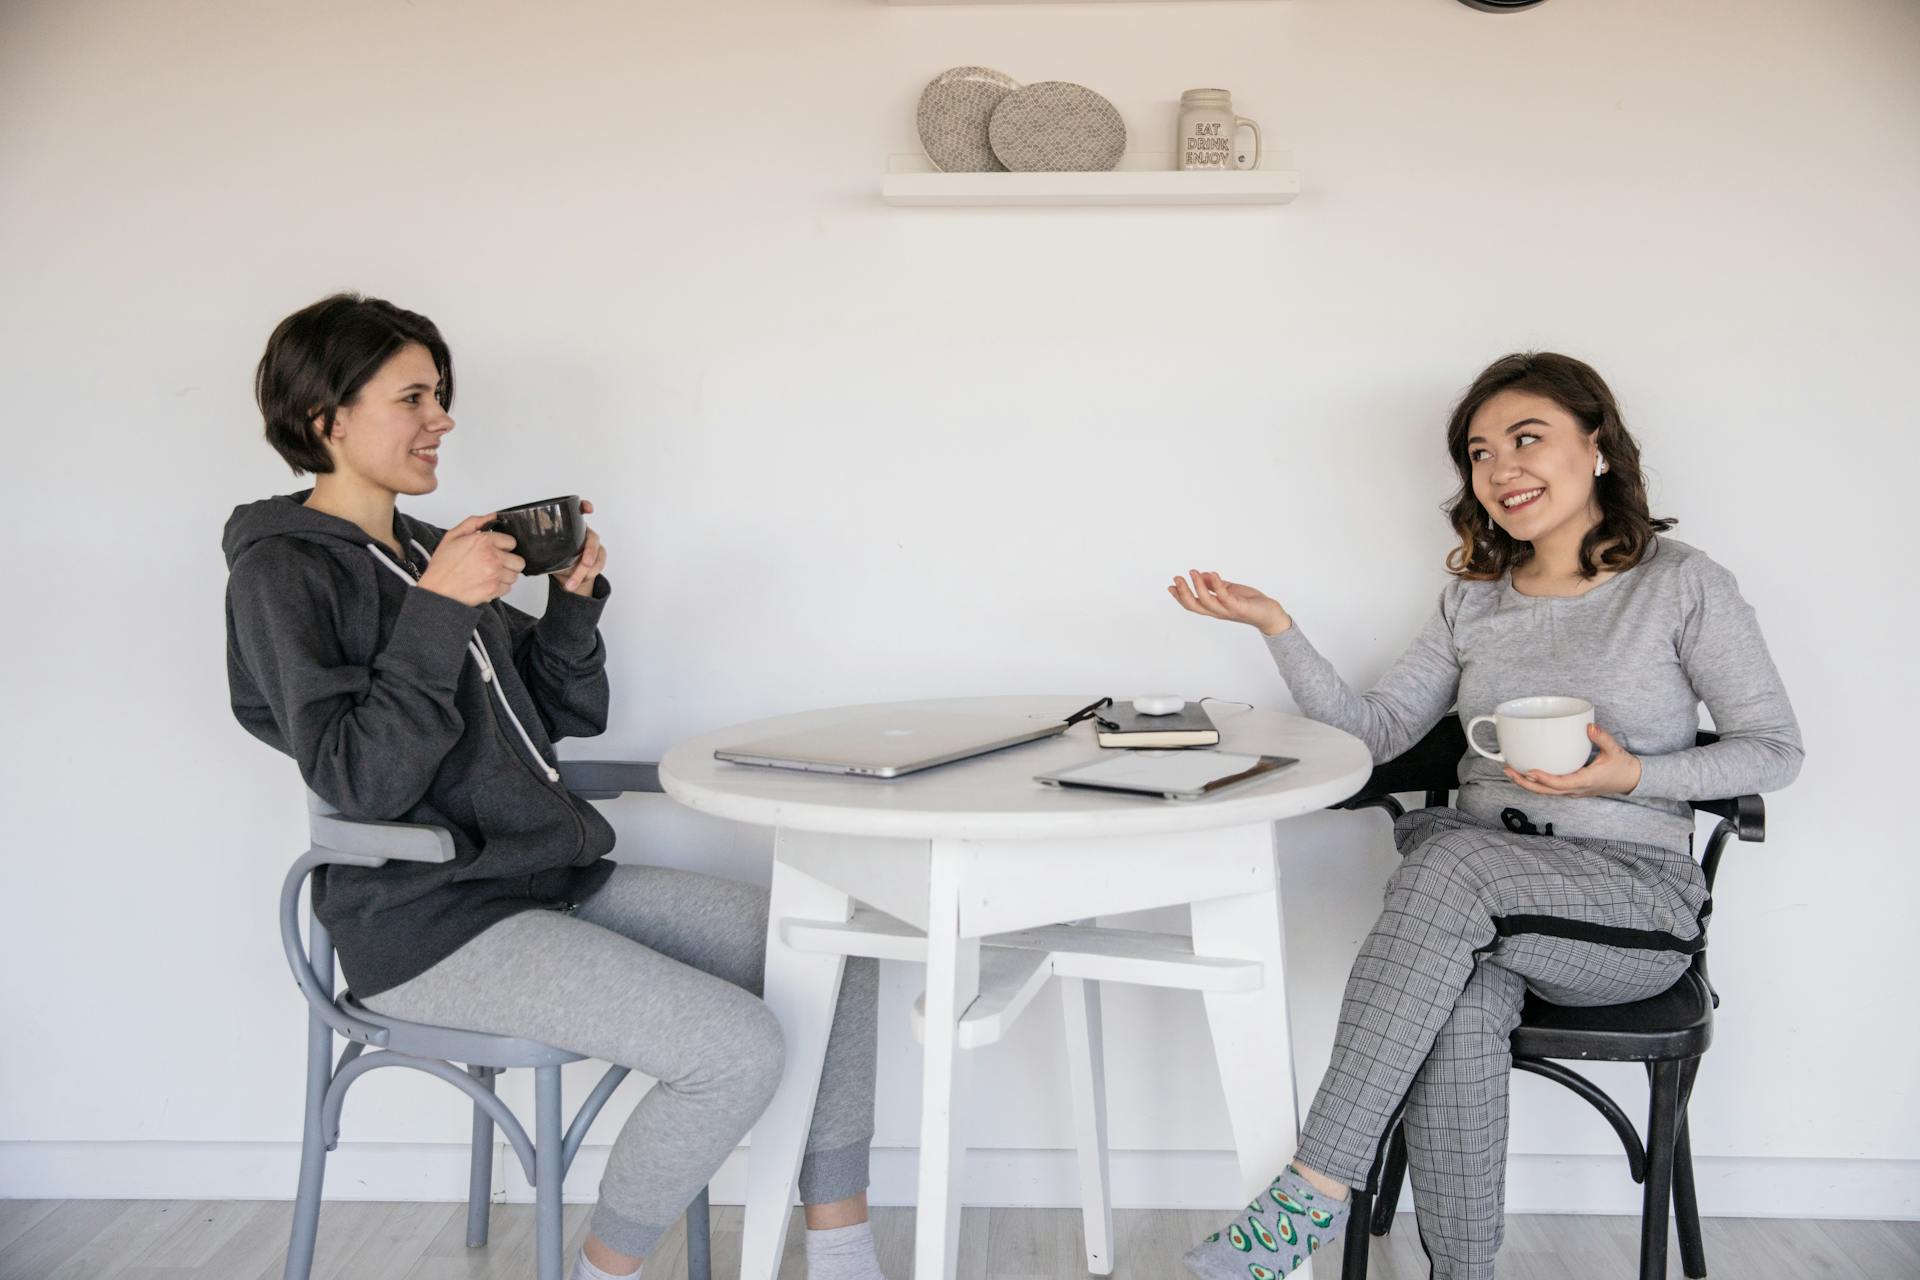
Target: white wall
[(848, 453)]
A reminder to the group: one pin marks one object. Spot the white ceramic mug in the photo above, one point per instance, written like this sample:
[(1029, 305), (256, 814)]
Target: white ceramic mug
[(1209, 132), (1548, 733)]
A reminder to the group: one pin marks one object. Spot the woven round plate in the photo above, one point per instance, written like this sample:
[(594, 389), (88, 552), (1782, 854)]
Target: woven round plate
[(1056, 126), (953, 115)]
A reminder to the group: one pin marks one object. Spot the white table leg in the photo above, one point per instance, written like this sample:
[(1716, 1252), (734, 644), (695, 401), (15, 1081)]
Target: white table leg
[(801, 989), (1252, 1038), (953, 983), (1086, 1067)]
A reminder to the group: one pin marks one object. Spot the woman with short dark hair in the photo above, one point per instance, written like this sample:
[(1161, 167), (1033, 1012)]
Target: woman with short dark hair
[(375, 649), (1580, 886)]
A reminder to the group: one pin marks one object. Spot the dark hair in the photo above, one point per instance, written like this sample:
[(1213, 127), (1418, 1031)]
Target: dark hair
[(318, 359), (1625, 532)]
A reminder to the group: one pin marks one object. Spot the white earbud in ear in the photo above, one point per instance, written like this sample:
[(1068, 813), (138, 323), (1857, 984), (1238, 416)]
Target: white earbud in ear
[(1599, 467)]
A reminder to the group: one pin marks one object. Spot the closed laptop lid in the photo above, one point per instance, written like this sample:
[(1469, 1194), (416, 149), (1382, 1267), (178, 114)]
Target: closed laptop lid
[(893, 743)]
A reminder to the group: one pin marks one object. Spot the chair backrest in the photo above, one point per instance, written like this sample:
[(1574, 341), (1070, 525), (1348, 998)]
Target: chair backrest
[(337, 840)]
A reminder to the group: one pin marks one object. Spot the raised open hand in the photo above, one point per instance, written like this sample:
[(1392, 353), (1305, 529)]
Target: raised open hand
[(1213, 596)]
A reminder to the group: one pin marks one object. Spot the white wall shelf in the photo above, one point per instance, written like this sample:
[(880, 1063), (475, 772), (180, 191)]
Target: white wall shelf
[(912, 182), (955, 190)]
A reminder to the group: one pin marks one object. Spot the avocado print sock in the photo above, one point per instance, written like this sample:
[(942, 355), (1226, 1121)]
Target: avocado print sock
[(1272, 1236)]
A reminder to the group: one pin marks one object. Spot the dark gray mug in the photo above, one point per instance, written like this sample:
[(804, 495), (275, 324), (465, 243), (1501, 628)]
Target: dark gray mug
[(547, 534)]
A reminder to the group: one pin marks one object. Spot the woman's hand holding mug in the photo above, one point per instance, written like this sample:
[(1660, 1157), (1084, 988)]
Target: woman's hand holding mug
[(471, 564), (1615, 771), (1215, 597), (579, 576)]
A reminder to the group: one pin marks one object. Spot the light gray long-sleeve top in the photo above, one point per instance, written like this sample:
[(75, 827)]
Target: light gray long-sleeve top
[(1645, 647)]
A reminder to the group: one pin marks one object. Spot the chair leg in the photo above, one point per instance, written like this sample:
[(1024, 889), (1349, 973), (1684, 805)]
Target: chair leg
[(1353, 1257), (480, 1180), (1686, 1209), (547, 1141), (1662, 1135), (699, 1239), (1392, 1178), (313, 1152)]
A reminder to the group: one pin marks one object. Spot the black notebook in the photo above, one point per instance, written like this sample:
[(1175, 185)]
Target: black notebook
[(1190, 726)]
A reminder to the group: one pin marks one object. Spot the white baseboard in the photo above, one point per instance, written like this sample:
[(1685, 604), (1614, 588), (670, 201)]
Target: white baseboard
[(1729, 1186)]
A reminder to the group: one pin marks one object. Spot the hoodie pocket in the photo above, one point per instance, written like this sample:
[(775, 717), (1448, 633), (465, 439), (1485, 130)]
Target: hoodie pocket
[(524, 826)]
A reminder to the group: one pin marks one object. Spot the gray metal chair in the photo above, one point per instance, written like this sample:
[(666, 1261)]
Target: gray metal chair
[(353, 842)]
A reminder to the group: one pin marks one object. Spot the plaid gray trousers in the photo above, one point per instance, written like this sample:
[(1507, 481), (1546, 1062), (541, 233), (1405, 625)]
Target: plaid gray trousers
[(1436, 992)]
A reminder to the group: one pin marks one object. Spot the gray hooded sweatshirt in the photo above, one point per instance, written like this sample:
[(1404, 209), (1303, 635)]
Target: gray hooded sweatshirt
[(404, 705)]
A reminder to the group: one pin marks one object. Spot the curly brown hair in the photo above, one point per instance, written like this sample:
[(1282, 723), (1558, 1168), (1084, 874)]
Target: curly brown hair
[(1625, 532)]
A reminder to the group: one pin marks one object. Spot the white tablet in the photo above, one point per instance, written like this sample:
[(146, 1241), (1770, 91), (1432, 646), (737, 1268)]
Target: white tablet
[(1175, 775)]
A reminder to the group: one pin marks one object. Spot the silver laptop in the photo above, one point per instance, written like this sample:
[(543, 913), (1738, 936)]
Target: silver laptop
[(887, 746)]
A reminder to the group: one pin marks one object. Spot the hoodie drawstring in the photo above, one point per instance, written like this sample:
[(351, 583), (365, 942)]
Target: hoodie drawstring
[(477, 650)]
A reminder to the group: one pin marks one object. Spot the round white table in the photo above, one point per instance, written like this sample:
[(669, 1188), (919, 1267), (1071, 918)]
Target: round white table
[(979, 872)]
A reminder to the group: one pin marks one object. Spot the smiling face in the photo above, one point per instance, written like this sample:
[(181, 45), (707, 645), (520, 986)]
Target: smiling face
[(1532, 466), (390, 435)]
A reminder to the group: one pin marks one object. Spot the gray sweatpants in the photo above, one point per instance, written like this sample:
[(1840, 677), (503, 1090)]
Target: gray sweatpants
[(661, 971), (1436, 992)]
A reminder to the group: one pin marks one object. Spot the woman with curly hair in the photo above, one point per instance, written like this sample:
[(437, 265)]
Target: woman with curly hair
[(1579, 886)]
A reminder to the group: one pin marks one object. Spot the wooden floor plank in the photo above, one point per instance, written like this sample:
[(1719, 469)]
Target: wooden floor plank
[(1761, 1239), (202, 1232), (1149, 1243), (123, 1242), (392, 1247), (893, 1240), (342, 1224), (19, 1216), (894, 1237), (258, 1244), (1032, 1244), (37, 1251), (508, 1254), (1881, 1250)]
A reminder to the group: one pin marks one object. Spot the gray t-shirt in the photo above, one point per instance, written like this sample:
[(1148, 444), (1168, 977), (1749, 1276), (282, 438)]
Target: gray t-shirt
[(1645, 647)]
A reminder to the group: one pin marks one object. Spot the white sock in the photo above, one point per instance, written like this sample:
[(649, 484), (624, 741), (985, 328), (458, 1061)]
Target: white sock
[(584, 1270), (843, 1253)]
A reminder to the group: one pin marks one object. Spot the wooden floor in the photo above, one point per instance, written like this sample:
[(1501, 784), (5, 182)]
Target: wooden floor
[(247, 1240)]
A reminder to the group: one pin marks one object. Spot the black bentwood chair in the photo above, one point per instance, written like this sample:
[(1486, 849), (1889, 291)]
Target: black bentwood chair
[(1667, 1033)]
